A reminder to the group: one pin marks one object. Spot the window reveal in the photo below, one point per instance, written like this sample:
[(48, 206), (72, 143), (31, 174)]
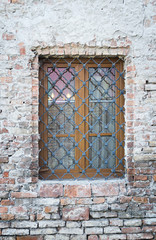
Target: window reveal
[(81, 118)]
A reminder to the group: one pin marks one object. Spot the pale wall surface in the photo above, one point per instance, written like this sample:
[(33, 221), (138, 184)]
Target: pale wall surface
[(126, 208)]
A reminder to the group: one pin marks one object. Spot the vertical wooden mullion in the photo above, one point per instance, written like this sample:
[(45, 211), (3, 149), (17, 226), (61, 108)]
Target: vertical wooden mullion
[(119, 116), (79, 119), (42, 126), (86, 79)]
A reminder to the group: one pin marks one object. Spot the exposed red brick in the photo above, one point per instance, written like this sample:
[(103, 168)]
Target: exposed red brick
[(140, 199), (7, 181), (132, 171), (19, 209), (131, 230), (4, 159), (131, 68), (8, 36), (154, 178), (17, 66), (3, 130), (54, 190), (93, 237), (75, 213), (7, 202), (53, 209), (68, 201), (140, 178), (30, 238), (152, 199), (7, 217), (130, 81), (140, 236), (105, 189), (77, 191), (141, 184), (6, 79), (3, 209), (40, 216), (84, 201), (99, 200), (125, 199), (6, 174), (23, 195), (22, 49)]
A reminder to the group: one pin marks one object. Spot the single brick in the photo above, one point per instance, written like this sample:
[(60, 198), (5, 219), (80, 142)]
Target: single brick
[(46, 224), (105, 189), (57, 237), (140, 199), (145, 157), (75, 213), (133, 222), (73, 224), (3, 209), (77, 191), (93, 237), (49, 201), (10, 232), (131, 230), (94, 230), (119, 207), (43, 231), (23, 195), (98, 200), (77, 237), (71, 231), (4, 159), (99, 207), (84, 201), (4, 224), (53, 209), (95, 223), (116, 222), (68, 201), (112, 230), (113, 237), (7, 202), (23, 224), (103, 214), (140, 236), (149, 221), (7, 217), (54, 190), (29, 238), (7, 181)]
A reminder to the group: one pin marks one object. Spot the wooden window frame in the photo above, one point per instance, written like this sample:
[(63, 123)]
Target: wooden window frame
[(83, 127)]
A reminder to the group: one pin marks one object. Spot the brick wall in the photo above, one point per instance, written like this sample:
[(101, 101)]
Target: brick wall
[(95, 210)]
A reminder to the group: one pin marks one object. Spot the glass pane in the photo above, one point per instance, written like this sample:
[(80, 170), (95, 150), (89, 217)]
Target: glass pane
[(61, 153), (61, 120), (101, 152), (61, 101), (101, 104), (101, 83), (101, 116)]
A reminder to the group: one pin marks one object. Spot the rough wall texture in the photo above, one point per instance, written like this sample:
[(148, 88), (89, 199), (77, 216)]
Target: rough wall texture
[(116, 209)]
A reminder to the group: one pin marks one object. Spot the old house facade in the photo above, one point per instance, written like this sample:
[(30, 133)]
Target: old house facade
[(78, 119)]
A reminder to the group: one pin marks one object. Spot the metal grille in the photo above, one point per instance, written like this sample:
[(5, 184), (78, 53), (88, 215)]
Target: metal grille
[(81, 108)]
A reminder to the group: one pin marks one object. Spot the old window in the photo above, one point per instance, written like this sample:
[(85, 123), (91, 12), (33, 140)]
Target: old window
[(81, 111)]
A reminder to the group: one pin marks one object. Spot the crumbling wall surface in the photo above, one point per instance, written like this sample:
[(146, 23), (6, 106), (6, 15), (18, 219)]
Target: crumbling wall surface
[(114, 209)]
